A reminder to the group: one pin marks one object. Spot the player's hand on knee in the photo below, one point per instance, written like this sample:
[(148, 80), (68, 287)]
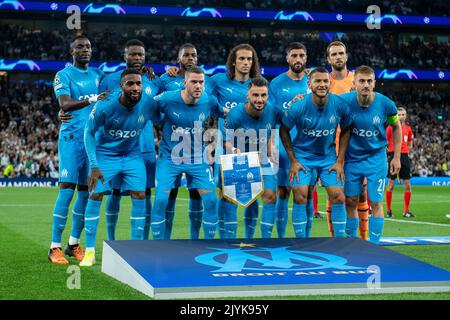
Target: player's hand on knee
[(339, 168), (293, 171), (95, 174), (149, 72), (173, 71), (64, 117)]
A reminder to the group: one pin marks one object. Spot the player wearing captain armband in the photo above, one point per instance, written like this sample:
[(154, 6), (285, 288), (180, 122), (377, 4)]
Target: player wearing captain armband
[(366, 152)]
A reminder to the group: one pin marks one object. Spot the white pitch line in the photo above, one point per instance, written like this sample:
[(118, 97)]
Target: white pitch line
[(419, 222)]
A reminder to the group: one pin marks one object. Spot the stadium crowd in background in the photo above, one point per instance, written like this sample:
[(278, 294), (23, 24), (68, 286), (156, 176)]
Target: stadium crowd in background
[(379, 50), (29, 128)]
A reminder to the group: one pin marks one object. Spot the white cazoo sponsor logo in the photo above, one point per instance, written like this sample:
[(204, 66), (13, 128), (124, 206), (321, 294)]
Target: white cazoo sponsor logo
[(319, 133), (230, 105), (125, 134), (365, 133)]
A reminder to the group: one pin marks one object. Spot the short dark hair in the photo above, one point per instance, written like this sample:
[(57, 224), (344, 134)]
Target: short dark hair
[(193, 69), (317, 70), (295, 46), (258, 82), (186, 45), (134, 42), (129, 71), (364, 70), (335, 44), (78, 37)]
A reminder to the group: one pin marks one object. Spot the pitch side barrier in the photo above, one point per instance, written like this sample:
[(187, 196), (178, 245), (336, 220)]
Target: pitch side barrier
[(51, 182)]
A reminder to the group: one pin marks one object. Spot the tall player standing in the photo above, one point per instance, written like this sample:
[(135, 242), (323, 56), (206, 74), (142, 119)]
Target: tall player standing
[(282, 90), (182, 150), (231, 88), (173, 79), (405, 170), (134, 56), (365, 156), (76, 88), (342, 82)]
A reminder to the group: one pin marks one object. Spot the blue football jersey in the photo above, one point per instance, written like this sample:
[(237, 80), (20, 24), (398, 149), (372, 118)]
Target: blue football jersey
[(239, 119), (150, 88), (169, 83), (283, 89), (368, 126), (316, 126), (79, 85), (183, 125), (115, 130)]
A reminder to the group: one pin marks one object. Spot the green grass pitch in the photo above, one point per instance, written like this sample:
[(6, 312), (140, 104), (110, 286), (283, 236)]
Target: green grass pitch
[(25, 234)]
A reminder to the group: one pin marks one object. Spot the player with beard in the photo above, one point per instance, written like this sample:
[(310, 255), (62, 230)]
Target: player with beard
[(112, 142), (282, 90), (76, 89), (312, 153)]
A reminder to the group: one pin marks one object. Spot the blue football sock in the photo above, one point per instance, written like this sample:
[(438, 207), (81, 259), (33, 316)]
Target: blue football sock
[(78, 211), (251, 219), (158, 217), (351, 228), (137, 219), (221, 210), (339, 219), (60, 214), (299, 219), (170, 213), (310, 217), (210, 219), (375, 229), (282, 216), (92, 217), (112, 214), (230, 220), (267, 219), (195, 217), (148, 214)]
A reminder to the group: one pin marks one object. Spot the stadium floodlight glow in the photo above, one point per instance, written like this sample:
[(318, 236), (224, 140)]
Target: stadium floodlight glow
[(189, 12), (112, 67), (210, 71), (282, 16)]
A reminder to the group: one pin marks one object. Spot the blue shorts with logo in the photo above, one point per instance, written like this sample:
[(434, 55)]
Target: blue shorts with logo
[(373, 168), (129, 169), (317, 169), (198, 176), (73, 160)]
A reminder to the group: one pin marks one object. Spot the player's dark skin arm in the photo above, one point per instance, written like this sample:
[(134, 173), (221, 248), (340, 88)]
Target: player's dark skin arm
[(94, 175), (344, 138), (287, 142), (66, 103)]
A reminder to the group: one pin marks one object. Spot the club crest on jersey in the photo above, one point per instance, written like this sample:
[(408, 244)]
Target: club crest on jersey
[(148, 91), (64, 173), (269, 127), (57, 80), (201, 117), (250, 176), (376, 120), (141, 119), (332, 119)]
